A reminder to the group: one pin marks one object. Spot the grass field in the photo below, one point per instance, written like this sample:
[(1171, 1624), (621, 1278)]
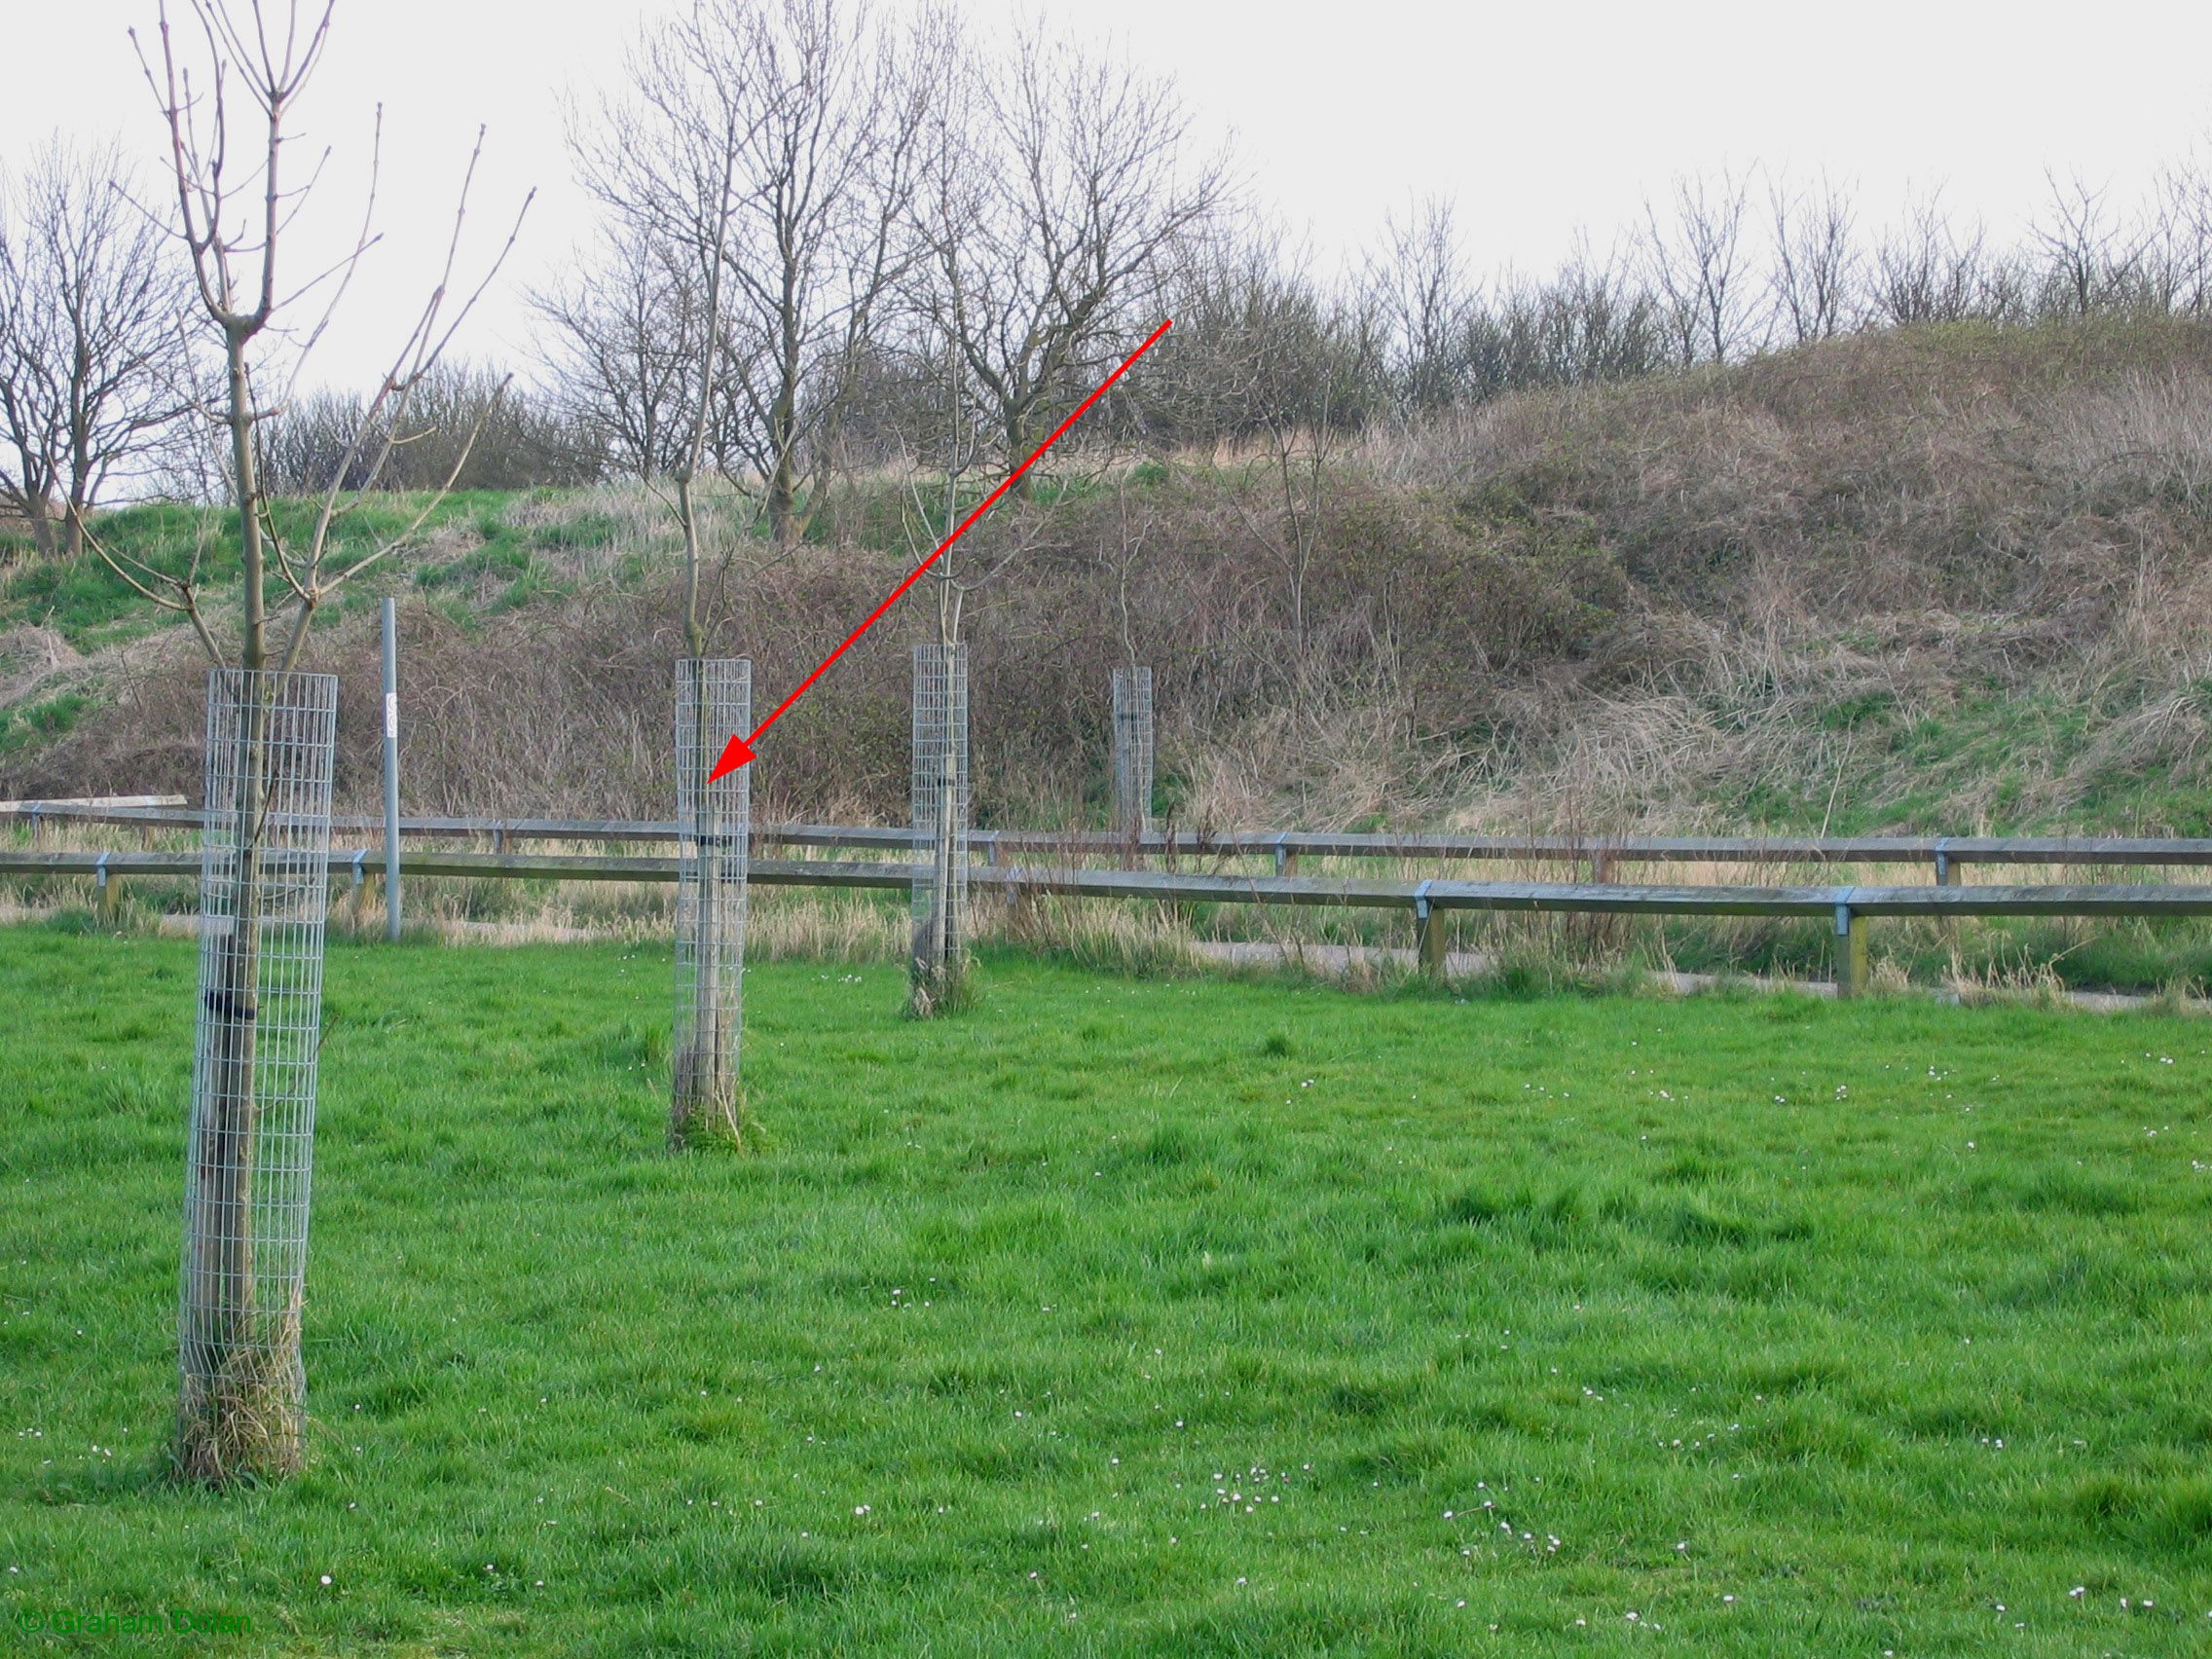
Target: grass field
[(1136, 1316)]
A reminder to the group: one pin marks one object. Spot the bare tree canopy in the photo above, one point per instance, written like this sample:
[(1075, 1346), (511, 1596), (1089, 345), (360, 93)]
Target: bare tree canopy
[(1814, 274), (94, 367), (254, 62), (1699, 267), (764, 150), (620, 352), (1055, 188)]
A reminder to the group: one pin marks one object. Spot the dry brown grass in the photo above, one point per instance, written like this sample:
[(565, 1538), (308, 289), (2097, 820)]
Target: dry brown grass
[(1633, 607)]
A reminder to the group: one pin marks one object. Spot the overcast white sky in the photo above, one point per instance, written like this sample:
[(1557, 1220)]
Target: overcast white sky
[(1538, 120)]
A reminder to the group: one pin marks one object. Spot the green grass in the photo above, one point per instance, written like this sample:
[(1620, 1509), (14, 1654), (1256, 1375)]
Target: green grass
[(34, 724), (90, 605), (1168, 1318)]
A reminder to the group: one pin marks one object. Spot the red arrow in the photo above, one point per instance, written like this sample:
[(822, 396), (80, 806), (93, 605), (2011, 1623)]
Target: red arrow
[(739, 751)]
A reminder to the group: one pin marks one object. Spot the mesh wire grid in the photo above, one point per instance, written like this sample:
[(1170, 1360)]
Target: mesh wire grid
[(941, 803), (1132, 750), (714, 699), (263, 889)]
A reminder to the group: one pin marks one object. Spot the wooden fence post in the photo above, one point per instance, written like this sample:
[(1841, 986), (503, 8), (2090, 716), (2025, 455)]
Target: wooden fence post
[(1850, 952), (1431, 933), (110, 892), (360, 892)]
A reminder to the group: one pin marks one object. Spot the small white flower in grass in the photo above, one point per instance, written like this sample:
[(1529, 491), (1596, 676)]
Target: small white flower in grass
[(326, 1576)]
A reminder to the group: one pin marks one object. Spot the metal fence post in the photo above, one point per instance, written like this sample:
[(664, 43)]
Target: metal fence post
[(391, 770)]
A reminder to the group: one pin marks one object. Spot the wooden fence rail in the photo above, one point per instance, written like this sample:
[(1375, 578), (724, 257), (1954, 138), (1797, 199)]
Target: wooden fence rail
[(1945, 855), (1848, 908)]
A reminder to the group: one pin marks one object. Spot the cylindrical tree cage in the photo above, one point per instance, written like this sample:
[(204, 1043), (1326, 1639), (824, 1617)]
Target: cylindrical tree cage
[(939, 967), (713, 819), (1132, 750), (263, 889)]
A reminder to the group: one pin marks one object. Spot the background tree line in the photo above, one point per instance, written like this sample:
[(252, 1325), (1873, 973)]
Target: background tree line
[(856, 240)]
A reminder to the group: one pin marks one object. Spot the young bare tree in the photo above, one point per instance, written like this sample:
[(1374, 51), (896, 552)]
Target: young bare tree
[(1696, 260), (1052, 187), (2178, 260), (788, 130), (1591, 321), (827, 176), (1925, 271), (228, 97), (951, 445), (1430, 313), (1296, 366), (1814, 277), (2092, 258), (95, 375), (665, 160), (621, 351)]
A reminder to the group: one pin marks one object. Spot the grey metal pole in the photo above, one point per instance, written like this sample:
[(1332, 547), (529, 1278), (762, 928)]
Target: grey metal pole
[(390, 771)]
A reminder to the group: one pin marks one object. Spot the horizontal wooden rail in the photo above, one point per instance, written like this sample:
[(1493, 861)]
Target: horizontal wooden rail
[(1179, 887), (1946, 855), (93, 803), (1848, 908)]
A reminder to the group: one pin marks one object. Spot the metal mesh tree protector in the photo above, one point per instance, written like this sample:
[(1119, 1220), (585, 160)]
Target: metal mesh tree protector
[(941, 825), (263, 888), (1132, 750), (713, 698)]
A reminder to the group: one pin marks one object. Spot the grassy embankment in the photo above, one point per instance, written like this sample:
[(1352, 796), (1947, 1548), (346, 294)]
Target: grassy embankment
[(1124, 1316)]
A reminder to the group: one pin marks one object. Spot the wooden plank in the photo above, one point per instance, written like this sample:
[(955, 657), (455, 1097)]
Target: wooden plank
[(1287, 847), (92, 801), (1186, 886)]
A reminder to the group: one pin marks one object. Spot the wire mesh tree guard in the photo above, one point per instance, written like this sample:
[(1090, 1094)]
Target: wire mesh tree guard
[(263, 889), (1132, 750), (713, 819), (938, 969)]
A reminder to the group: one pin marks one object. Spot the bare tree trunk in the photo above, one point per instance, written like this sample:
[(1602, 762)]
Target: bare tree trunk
[(938, 967), (225, 1410), (714, 824), (242, 1385), (41, 521), (211, 1416)]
